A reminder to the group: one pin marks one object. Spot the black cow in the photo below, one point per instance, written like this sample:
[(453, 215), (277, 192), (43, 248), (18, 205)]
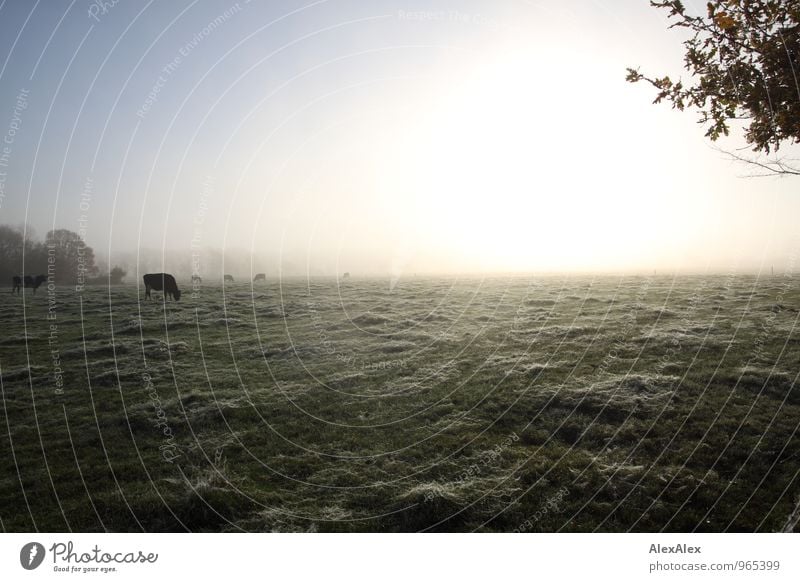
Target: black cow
[(161, 282), (229, 278), (30, 282), (260, 277)]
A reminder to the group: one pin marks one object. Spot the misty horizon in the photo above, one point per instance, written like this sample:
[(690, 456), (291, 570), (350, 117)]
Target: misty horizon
[(208, 262), (237, 262)]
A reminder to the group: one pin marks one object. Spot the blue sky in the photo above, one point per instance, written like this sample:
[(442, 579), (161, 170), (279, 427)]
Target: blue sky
[(436, 135)]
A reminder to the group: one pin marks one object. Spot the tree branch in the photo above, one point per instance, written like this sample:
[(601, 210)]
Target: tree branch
[(778, 167)]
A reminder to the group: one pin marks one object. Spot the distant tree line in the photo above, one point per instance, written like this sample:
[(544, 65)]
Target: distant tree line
[(63, 256)]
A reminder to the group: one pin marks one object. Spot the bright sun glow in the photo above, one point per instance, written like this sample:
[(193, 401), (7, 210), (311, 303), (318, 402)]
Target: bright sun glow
[(496, 172)]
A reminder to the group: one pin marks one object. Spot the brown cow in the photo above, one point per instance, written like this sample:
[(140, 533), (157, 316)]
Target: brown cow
[(161, 282), (30, 282)]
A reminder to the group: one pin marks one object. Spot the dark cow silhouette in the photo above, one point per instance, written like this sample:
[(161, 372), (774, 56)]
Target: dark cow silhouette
[(30, 282), (229, 278), (197, 278), (161, 282), (346, 276), (260, 277)]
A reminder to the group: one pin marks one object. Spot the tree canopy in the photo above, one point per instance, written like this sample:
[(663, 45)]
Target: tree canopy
[(74, 260), (63, 254), (744, 60)]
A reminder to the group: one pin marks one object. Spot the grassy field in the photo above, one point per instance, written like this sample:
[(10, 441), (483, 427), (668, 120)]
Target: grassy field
[(546, 404)]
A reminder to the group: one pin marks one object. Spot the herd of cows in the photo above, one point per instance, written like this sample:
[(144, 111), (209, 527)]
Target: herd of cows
[(152, 281)]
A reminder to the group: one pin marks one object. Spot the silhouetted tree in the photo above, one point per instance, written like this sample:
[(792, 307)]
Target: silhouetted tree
[(744, 60), (11, 244), (14, 245), (116, 275), (74, 261)]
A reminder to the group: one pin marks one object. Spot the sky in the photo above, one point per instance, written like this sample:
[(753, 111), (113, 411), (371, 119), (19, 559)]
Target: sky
[(377, 138)]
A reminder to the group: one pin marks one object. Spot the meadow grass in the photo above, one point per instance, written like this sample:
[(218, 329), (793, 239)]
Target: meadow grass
[(505, 404)]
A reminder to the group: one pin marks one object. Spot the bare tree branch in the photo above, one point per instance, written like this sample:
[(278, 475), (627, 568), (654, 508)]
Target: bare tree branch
[(770, 167)]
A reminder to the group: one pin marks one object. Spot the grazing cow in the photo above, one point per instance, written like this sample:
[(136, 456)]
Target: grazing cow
[(260, 277), (161, 282), (34, 282), (197, 279), (29, 282), (229, 278), (346, 276)]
